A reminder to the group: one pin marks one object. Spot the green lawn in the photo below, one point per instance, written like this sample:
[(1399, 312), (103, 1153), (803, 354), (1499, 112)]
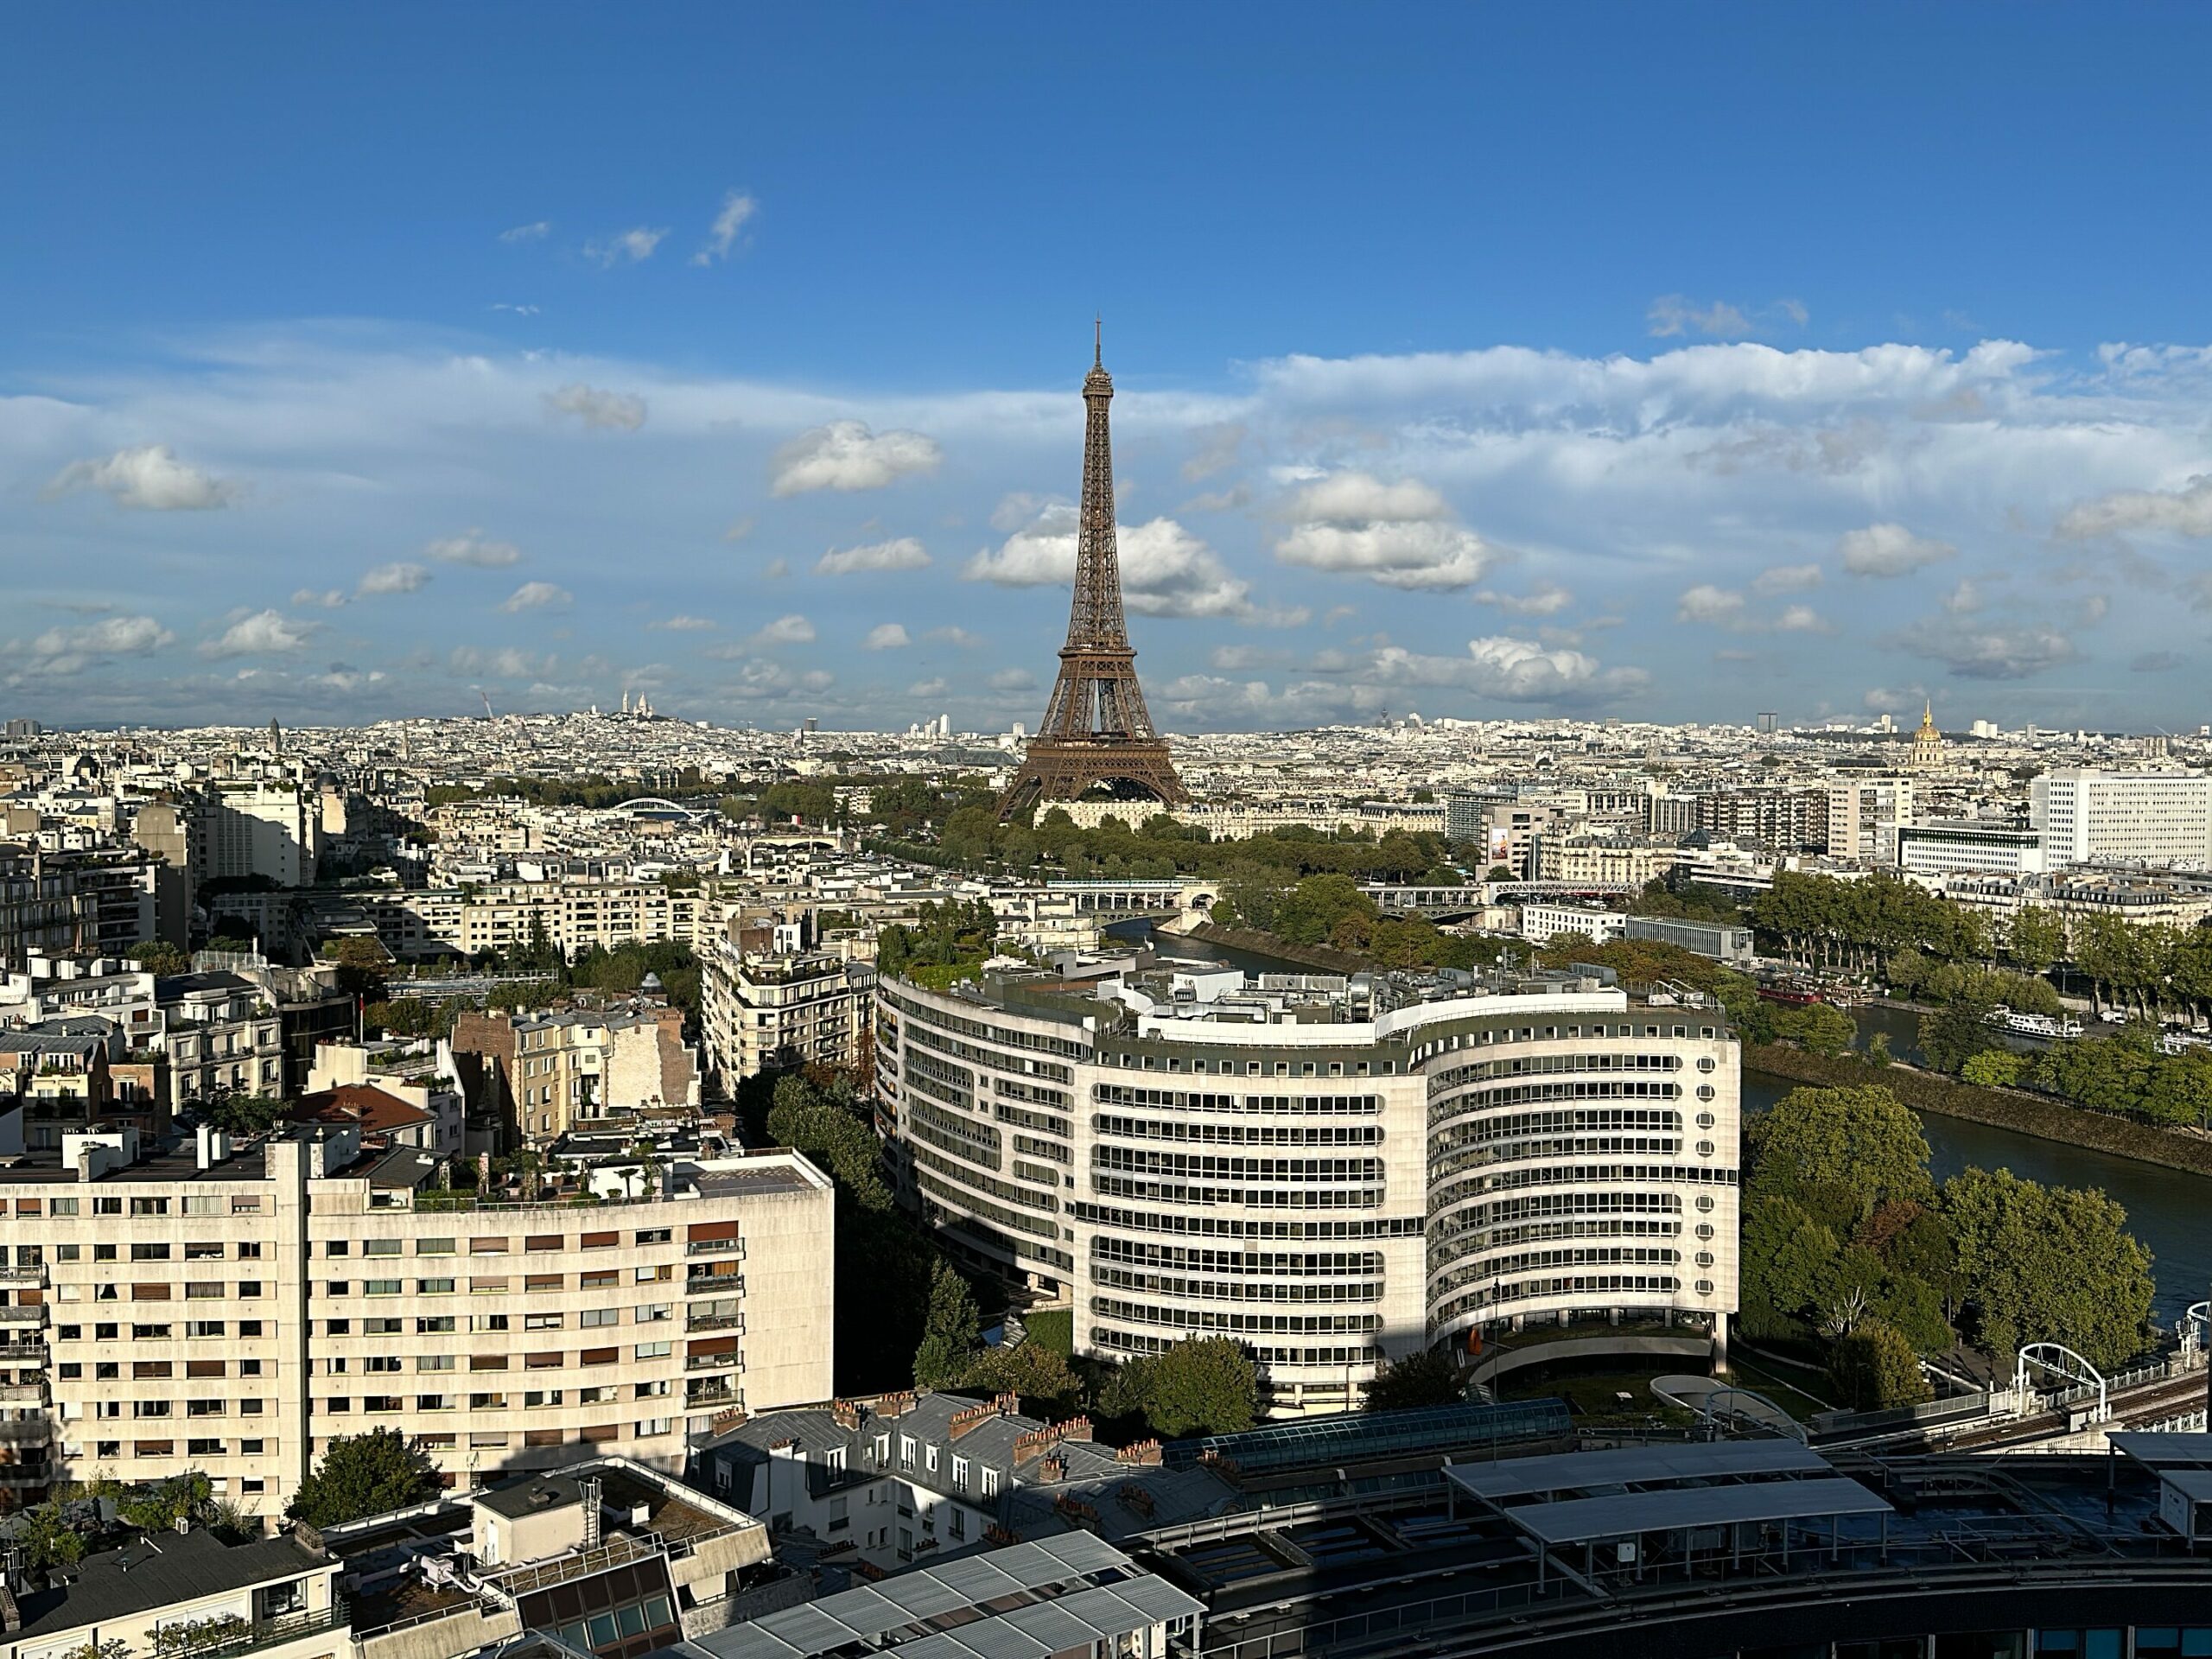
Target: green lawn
[(1786, 1386), (1053, 1328)]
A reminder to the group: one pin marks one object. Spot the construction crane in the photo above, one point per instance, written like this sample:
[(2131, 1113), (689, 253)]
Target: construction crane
[(487, 696)]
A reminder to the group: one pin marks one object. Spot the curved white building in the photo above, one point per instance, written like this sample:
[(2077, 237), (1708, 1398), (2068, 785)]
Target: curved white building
[(1328, 1177)]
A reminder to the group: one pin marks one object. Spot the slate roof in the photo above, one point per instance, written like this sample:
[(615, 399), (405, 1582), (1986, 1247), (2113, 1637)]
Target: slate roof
[(157, 1570)]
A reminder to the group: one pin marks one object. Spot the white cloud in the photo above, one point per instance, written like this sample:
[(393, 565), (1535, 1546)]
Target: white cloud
[(737, 532), (1357, 498), (61, 651), (1397, 534), (1166, 570), (395, 578), (1721, 607), (616, 410), (536, 230), (472, 548), (903, 553), (2185, 511), (328, 598), (1217, 451), (1786, 579), (793, 630), (1671, 314), (686, 624), (957, 637), (886, 635), (1545, 599), (1993, 653), (737, 208), (928, 689), (847, 456), (1802, 619), (262, 633), (538, 596), (1889, 550), (1014, 679), (627, 247), (775, 570), (507, 663), (150, 478), (1021, 507)]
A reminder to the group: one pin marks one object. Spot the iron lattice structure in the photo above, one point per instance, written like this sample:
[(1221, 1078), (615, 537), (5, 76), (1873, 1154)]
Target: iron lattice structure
[(1096, 731)]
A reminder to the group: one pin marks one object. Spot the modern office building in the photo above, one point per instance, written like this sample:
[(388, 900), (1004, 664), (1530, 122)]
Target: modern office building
[(234, 1310), (1333, 1174), (2123, 818), (1731, 945), (1970, 847)]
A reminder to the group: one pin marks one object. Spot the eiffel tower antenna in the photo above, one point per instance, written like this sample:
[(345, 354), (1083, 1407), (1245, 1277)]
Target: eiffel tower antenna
[(1096, 731)]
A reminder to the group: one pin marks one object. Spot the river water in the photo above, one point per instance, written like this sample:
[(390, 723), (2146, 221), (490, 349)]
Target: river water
[(2167, 1209)]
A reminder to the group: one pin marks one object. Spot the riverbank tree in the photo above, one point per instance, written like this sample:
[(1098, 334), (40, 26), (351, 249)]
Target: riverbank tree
[(1844, 1228)]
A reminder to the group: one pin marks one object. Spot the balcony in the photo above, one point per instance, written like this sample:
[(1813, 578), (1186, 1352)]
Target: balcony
[(715, 1322), (726, 1284), (711, 1391), (17, 1314), (714, 1363), (715, 1247), (25, 1431)]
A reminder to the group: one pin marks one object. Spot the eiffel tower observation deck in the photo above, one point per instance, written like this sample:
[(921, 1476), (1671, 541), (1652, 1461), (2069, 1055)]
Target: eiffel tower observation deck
[(1097, 735)]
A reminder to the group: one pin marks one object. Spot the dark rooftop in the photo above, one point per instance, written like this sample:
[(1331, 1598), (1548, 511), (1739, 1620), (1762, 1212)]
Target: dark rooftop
[(159, 1569)]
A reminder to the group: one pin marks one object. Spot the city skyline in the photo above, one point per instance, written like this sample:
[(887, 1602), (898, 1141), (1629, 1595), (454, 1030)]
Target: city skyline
[(677, 404)]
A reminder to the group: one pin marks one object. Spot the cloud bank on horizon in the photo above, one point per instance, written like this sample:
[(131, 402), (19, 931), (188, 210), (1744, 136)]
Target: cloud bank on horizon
[(343, 525)]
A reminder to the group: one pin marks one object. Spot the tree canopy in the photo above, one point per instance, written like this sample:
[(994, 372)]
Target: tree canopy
[(363, 1475)]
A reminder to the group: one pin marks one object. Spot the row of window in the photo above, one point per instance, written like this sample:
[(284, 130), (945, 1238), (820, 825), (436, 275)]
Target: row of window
[(1241, 1290), (1581, 1175), (1253, 1263), (1120, 1093), (1193, 1165), (1522, 1065), (1239, 1197), (1240, 1134), (1139, 1342), (1155, 1221), (1441, 1169), (1207, 1318)]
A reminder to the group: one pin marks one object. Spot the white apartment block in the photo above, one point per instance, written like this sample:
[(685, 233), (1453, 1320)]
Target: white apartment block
[(1969, 846), (572, 914), (1540, 924), (233, 1311), (759, 1010), (1331, 1184), (1863, 817), (259, 828), (2123, 817)]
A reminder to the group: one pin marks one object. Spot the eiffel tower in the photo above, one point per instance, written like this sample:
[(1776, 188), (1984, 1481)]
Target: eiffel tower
[(1096, 731)]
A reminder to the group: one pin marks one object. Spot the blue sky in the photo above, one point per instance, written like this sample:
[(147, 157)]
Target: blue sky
[(1476, 360)]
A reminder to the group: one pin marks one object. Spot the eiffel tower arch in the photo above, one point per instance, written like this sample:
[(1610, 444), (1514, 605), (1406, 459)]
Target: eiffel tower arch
[(1096, 732)]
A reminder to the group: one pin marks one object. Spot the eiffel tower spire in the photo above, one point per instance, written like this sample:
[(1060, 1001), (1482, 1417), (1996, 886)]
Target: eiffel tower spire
[(1096, 730)]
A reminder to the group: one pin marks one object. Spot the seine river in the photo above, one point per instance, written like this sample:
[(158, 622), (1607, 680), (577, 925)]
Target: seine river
[(2167, 1210)]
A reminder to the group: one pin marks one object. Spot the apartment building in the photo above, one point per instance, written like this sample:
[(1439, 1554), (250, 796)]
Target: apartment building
[(2123, 818), (260, 827), (1336, 1178), (1864, 816), (1606, 861), (1539, 922), (553, 1072), (234, 1310), (762, 1008)]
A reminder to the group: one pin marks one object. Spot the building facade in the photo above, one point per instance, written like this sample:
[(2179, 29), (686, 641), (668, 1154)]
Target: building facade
[(1969, 846), (1333, 1182), (235, 1311), (758, 1009), (2123, 818)]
